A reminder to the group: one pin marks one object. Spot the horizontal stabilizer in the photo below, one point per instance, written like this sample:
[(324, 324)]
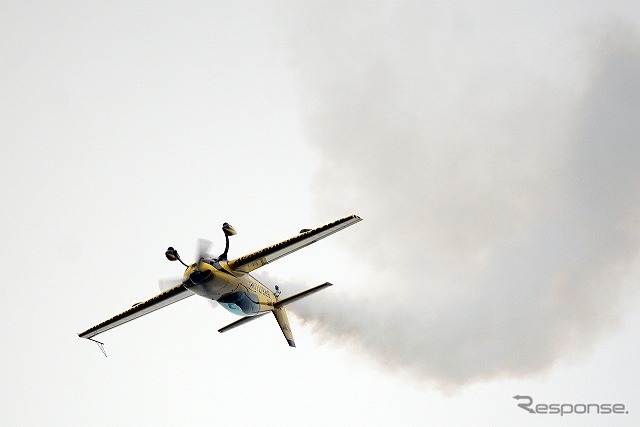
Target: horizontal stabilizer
[(300, 295), (240, 322)]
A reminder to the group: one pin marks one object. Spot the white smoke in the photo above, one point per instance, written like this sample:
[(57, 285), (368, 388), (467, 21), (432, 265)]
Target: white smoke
[(502, 192)]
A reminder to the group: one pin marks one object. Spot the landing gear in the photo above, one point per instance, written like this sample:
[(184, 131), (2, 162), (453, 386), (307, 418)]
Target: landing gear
[(228, 231), (172, 255), (277, 292)]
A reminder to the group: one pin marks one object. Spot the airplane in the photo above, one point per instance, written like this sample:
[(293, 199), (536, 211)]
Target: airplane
[(230, 283)]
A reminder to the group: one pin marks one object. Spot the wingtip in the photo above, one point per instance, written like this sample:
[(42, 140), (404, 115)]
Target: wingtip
[(291, 343)]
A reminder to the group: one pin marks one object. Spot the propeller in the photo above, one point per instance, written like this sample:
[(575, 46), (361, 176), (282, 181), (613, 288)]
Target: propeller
[(169, 282), (197, 275), (204, 246), (202, 252)]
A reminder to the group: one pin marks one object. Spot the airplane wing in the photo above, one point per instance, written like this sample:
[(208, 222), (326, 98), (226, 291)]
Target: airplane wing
[(257, 259), (163, 299)]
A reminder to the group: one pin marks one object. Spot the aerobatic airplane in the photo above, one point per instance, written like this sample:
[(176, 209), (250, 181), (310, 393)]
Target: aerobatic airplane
[(230, 284)]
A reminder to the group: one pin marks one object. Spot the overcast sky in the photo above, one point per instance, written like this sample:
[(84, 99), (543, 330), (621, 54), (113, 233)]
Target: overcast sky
[(492, 151)]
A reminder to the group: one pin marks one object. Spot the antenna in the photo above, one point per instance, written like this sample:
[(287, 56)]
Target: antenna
[(100, 345)]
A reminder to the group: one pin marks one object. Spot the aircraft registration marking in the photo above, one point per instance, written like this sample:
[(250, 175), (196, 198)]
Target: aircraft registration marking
[(259, 288)]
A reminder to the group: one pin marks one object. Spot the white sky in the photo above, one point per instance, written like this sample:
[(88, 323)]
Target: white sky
[(129, 127)]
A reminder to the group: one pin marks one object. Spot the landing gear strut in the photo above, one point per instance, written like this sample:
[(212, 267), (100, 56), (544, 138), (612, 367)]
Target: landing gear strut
[(228, 231)]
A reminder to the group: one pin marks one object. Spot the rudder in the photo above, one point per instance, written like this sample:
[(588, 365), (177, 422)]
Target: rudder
[(281, 317)]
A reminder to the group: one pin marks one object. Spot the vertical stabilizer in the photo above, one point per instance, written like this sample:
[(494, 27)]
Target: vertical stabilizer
[(283, 322)]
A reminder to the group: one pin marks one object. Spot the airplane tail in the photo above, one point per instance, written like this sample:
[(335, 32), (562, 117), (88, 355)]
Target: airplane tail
[(280, 313), (281, 316)]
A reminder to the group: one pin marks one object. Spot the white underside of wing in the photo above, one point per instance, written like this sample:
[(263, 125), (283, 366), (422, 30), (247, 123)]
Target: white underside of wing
[(163, 299)]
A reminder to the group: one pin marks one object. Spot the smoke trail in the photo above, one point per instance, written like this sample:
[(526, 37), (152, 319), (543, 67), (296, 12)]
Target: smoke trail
[(513, 196)]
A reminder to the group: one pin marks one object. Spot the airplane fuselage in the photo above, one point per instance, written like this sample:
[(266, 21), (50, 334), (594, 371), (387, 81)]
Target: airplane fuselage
[(241, 294)]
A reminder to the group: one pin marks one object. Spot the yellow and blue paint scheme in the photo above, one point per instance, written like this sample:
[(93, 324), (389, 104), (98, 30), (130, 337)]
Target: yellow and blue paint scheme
[(230, 284)]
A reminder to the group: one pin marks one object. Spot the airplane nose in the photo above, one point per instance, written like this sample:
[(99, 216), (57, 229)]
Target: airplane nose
[(198, 277)]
